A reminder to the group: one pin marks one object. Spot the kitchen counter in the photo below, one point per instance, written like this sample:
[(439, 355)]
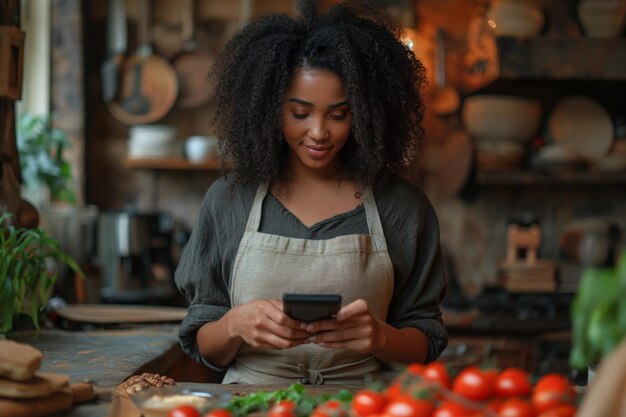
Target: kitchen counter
[(105, 358)]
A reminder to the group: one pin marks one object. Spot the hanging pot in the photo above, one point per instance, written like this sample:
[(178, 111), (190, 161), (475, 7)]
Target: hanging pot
[(148, 83), (192, 65)]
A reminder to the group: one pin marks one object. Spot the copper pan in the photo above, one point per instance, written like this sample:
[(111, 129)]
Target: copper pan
[(148, 83), (192, 65)]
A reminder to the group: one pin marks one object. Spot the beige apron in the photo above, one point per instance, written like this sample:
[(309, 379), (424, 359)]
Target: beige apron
[(266, 266)]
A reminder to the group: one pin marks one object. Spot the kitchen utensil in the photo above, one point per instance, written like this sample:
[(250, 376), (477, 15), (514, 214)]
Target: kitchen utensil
[(117, 313), (192, 64), (583, 125), (148, 86), (501, 117), (116, 46), (445, 99)]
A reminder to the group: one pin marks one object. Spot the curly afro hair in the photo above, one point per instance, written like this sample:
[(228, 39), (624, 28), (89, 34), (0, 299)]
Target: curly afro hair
[(381, 76)]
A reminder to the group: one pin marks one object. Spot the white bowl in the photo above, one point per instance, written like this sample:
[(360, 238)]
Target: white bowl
[(200, 148), (153, 134), (583, 125), (602, 19), (515, 18), (493, 117)]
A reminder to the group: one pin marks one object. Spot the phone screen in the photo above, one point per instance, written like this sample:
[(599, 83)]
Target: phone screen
[(311, 307)]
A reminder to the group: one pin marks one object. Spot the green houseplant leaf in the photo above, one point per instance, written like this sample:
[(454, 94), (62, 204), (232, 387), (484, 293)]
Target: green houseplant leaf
[(42, 161), (29, 269)]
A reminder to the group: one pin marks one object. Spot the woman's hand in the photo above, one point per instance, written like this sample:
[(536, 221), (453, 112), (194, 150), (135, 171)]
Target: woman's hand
[(354, 328), (263, 325)]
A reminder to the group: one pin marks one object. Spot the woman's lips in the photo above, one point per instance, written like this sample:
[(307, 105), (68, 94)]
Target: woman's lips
[(317, 152)]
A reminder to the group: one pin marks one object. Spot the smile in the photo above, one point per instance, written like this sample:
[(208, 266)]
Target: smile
[(317, 152)]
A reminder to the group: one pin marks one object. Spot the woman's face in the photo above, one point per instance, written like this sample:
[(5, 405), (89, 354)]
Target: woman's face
[(316, 120)]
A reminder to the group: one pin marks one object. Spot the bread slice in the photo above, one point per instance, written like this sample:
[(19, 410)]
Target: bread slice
[(41, 385), (18, 361), (36, 407)]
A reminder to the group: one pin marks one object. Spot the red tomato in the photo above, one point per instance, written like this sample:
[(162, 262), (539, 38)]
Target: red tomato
[(552, 390), (494, 405), (405, 406), (183, 411), (367, 402), (563, 410), (451, 409), (218, 412), (513, 382), (474, 384), (415, 368), (285, 408), (393, 390), (437, 372), (516, 407)]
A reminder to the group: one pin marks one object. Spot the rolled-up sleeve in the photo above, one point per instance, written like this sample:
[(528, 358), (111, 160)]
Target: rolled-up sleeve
[(199, 277)]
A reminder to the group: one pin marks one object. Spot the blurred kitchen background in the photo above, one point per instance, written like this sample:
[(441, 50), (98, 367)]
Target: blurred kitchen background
[(524, 157)]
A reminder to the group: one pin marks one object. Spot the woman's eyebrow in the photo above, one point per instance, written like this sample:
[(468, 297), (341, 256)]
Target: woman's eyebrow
[(308, 103)]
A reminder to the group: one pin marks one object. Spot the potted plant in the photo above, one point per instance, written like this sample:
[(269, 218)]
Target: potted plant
[(598, 314), (29, 269), (42, 162)]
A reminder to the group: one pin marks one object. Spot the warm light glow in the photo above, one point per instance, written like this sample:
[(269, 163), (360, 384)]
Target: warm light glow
[(491, 23), (411, 39)]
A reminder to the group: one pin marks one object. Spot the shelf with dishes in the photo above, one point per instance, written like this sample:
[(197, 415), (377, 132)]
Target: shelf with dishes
[(550, 178), (543, 57)]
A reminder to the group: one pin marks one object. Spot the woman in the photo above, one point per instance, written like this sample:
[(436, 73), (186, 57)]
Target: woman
[(317, 115)]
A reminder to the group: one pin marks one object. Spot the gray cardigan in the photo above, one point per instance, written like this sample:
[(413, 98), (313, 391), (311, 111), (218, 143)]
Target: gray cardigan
[(411, 229)]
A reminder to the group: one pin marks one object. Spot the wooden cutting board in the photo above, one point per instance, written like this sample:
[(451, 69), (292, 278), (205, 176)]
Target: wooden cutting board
[(117, 313), (41, 385)]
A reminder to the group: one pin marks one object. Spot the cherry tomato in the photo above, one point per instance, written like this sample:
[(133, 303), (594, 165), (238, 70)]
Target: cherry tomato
[(405, 406), (552, 390), (513, 382), (451, 409), (367, 402), (285, 408), (415, 368), (330, 408), (474, 384), (394, 390), (183, 411), (563, 410), (516, 407), (218, 412), (436, 371)]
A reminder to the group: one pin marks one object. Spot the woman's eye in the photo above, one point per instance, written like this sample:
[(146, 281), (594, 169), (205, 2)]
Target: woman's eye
[(338, 116), (300, 115)]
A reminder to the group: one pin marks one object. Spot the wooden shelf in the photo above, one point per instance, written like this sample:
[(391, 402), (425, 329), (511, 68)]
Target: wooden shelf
[(541, 178), (171, 164), (545, 58)]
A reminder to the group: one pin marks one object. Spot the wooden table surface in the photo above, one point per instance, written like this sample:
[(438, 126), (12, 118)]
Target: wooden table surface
[(105, 358)]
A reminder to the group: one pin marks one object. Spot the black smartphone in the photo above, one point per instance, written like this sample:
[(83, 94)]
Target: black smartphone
[(311, 307)]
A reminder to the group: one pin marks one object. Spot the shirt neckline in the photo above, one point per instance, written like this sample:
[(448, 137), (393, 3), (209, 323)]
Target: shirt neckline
[(287, 213)]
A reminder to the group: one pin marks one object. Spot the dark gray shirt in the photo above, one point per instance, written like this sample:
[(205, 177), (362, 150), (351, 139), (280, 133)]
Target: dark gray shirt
[(411, 230)]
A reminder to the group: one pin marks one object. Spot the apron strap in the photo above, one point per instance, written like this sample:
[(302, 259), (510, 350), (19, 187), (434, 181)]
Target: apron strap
[(254, 220), (374, 224)]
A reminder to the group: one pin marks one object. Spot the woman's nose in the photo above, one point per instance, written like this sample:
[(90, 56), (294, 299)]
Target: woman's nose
[(318, 130)]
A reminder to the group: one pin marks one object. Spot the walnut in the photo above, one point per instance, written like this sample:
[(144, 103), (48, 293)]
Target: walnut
[(137, 383)]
